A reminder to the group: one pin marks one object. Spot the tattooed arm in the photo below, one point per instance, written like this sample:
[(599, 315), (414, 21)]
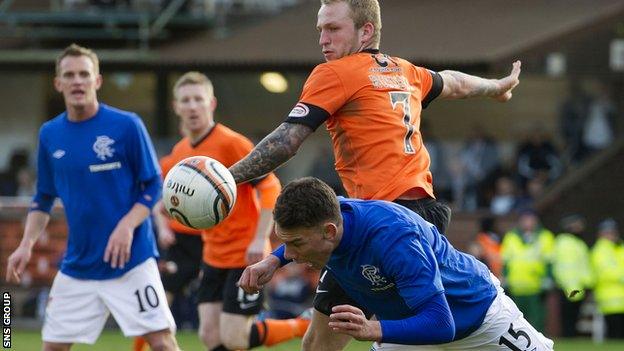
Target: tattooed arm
[(458, 85), (273, 151)]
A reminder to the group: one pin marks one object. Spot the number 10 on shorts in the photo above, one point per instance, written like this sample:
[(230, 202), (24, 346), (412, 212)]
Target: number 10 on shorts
[(147, 297)]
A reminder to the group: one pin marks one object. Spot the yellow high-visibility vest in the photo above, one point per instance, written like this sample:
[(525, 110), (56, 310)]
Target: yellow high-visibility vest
[(526, 262), (607, 260), (571, 266)]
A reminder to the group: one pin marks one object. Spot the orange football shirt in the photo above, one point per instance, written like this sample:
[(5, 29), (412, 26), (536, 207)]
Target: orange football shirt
[(374, 102), (225, 244)]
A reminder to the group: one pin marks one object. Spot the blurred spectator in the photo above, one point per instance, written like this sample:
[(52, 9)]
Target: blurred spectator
[(11, 180), (25, 182), (599, 126), (537, 158), (527, 252), (438, 166), (487, 247), (505, 197), (571, 271), (110, 4), (323, 169), (607, 257), (534, 189), (572, 115), (587, 120), (290, 292), (184, 8), (479, 158)]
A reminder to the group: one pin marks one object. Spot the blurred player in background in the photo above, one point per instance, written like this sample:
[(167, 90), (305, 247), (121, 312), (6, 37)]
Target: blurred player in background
[(371, 104), (388, 259), (226, 312), (100, 162)]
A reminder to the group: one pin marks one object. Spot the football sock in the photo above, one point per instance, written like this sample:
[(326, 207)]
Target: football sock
[(273, 331), (139, 344)]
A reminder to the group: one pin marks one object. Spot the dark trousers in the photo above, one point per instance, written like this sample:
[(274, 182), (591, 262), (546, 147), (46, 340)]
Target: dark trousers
[(615, 325), (532, 306), (569, 315)]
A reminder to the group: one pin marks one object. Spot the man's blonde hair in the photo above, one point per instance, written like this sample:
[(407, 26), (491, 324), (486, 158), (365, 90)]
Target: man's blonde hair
[(364, 11), (193, 77), (76, 51)]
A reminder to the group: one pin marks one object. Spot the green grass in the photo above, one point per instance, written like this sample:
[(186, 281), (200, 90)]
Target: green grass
[(113, 340)]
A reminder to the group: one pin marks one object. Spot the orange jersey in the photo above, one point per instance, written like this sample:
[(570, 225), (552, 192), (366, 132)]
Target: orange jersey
[(225, 244), (491, 252), (373, 104)]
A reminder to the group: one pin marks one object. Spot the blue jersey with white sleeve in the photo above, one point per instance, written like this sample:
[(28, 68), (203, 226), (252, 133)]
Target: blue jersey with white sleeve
[(393, 262), (100, 168)]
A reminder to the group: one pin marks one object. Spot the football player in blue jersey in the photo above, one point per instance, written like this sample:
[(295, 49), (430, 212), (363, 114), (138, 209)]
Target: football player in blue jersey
[(398, 267), (101, 163)]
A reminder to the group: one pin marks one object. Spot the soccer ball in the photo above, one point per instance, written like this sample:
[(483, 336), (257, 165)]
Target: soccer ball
[(199, 192)]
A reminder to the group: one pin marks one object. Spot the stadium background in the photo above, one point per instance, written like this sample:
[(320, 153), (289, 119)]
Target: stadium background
[(144, 45)]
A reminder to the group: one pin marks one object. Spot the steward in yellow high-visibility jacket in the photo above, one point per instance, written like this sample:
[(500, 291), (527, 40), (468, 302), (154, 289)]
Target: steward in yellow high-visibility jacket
[(526, 258), (571, 267), (572, 271), (527, 253), (607, 258)]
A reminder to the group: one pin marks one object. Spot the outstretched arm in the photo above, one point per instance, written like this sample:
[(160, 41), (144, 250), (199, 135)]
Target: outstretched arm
[(273, 151), (458, 85)]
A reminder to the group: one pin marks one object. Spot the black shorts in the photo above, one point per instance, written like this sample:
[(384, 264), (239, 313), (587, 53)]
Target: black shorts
[(186, 253), (437, 213), (329, 293), (219, 285)]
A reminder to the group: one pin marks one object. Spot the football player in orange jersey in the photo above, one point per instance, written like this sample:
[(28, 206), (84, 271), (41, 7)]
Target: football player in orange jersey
[(371, 104), (226, 312)]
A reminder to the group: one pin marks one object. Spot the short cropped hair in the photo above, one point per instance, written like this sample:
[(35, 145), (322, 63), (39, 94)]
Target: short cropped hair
[(193, 77), (364, 11), (77, 50), (306, 203)]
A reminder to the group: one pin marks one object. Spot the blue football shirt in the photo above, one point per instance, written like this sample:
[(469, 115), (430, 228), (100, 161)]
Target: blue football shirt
[(97, 168), (391, 261)]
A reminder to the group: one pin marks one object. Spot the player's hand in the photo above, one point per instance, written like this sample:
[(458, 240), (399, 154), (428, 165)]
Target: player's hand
[(118, 249), (166, 237), (507, 84), (255, 251), (350, 320), (254, 277), (16, 264)]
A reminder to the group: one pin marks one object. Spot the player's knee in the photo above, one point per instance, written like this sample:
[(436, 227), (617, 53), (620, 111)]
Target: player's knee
[(235, 344), (208, 336), (309, 341), (234, 339)]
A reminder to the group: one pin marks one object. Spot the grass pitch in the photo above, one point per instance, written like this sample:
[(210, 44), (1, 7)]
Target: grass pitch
[(113, 340)]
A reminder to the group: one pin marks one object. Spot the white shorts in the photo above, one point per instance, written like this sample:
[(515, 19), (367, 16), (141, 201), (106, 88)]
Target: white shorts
[(77, 308), (503, 329)]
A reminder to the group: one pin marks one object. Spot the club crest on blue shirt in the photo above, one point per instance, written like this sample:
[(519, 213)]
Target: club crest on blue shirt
[(371, 273), (102, 147)]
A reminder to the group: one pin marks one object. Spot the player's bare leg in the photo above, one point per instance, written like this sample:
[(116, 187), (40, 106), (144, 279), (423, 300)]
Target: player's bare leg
[(235, 329), (320, 337), (55, 346), (139, 343), (162, 340), (209, 313)]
